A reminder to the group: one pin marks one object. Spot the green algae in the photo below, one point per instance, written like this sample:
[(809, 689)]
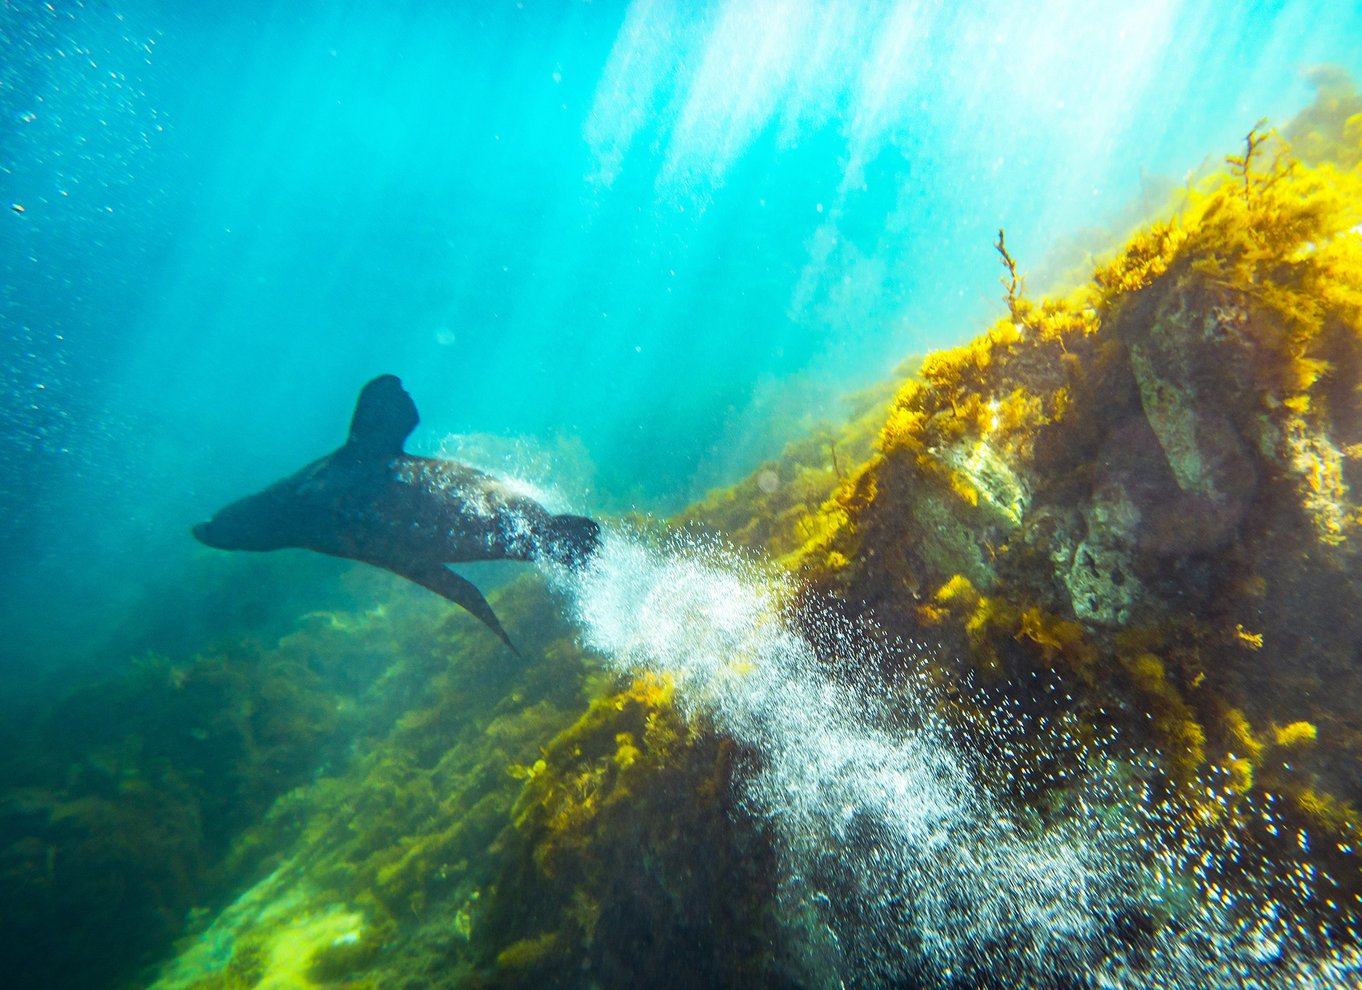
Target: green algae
[(401, 834), (274, 936), (119, 820), (132, 806), (515, 827)]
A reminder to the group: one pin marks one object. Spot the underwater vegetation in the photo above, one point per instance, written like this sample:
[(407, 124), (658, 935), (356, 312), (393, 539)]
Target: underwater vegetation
[(122, 801), (395, 839), (515, 824), (1129, 515), (607, 830), (775, 507), (1135, 509), (1330, 129)]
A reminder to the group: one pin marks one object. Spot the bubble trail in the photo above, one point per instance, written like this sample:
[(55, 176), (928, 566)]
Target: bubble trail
[(899, 867)]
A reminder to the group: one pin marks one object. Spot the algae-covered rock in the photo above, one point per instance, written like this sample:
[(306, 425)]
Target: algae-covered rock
[(119, 812), (520, 824), (391, 848), (1148, 493), (774, 509), (1132, 513), (629, 863)]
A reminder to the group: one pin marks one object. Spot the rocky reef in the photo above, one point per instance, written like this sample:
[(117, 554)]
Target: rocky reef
[(515, 825), (1131, 515), (1134, 511), (125, 802)]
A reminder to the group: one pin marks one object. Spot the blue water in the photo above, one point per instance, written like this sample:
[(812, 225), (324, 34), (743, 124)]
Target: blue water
[(644, 242)]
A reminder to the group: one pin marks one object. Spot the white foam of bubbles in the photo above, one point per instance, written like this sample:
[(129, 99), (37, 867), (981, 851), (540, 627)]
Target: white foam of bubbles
[(897, 864), (521, 464)]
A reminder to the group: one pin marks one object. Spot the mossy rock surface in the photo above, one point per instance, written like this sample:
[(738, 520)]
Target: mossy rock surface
[(1179, 446)]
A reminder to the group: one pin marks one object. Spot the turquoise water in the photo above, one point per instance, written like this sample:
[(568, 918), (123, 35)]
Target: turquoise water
[(625, 251), (652, 240)]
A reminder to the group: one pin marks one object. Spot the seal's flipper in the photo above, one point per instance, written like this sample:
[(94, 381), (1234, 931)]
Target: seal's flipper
[(460, 591), (384, 418)]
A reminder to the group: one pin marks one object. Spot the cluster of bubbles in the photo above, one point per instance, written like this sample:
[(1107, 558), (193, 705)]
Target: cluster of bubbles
[(74, 103), (524, 465), (78, 131), (902, 864)]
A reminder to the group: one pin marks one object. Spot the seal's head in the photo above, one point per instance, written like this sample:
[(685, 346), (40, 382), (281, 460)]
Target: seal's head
[(257, 522)]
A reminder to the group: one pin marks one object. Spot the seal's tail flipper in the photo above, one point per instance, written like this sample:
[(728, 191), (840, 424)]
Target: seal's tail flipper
[(570, 540), (463, 592)]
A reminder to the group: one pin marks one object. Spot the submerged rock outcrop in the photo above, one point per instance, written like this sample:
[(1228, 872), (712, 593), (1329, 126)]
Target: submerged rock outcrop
[(1147, 496), (1131, 516)]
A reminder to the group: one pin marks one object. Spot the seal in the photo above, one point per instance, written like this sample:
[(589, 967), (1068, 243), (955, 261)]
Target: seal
[(371, 501)]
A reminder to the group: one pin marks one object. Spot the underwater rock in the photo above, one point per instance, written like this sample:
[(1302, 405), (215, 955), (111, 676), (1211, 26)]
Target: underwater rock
[(1099, 572), (133, 805), (1131, 512), (641, 872), (1169, 355), (1167, 532), (508, 825)]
